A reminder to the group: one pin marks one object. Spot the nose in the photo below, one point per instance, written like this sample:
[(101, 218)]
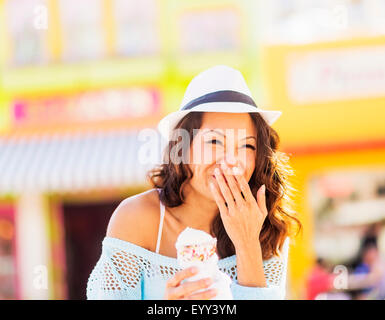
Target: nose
[(233, 161), (228, 158)]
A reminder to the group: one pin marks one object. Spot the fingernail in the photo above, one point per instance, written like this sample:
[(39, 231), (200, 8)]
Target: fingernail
[(236, 170), (231, 159), (263, 189), (226, 169), (208, 281), (216, 171)]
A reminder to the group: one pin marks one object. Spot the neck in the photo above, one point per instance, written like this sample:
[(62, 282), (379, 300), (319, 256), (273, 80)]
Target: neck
[(197, 212)]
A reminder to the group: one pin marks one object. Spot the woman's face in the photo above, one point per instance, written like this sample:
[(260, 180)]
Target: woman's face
[(223, 137)]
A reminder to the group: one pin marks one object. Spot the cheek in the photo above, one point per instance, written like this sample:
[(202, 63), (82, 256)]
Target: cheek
[(199, 173), (206, 154), (247, 159), (195, 177), (198, 152)]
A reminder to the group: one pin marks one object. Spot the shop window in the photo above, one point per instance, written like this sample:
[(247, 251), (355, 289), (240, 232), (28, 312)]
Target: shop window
[(349, 225)]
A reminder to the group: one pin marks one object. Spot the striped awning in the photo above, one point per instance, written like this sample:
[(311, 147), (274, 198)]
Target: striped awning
[(73, 162)]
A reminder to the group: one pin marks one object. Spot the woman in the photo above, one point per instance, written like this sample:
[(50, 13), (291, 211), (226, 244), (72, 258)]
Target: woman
[(236, 194)]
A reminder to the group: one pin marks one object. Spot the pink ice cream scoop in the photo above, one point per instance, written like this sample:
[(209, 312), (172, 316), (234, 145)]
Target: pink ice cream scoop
[(198, 248)]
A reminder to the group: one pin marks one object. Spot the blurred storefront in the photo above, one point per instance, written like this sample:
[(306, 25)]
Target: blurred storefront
[(328, 79), (74, 97), (76, 91)]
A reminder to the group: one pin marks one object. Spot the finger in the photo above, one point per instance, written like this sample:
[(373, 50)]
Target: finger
[(190, 287), (261, 199), (233, 184), (179, 276), (204, 295), (226, 193), (243, 185), (218, 198), (170, 294)]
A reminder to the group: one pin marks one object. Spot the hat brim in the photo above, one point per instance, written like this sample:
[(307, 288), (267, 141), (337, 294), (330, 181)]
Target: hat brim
[(168, 123)]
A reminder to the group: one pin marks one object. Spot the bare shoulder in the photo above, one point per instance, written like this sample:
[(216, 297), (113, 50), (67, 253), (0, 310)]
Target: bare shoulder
[(136, 219)]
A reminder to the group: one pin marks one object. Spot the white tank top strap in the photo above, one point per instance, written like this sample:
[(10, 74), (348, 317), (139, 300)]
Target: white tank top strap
[(162, 210)]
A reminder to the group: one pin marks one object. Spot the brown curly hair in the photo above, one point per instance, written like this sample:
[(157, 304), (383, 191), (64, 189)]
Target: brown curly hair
[(271, 168)]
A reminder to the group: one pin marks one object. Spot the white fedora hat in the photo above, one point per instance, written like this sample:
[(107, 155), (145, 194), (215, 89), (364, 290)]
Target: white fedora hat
[(217, 89)]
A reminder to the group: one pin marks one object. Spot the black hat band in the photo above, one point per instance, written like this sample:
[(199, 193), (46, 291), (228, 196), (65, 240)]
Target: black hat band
[(220, 96)]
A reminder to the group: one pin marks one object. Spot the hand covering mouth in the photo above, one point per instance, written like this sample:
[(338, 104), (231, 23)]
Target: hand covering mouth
[(222, 176)]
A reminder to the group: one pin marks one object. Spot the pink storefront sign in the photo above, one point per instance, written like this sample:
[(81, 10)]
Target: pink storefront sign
[(86, 107)]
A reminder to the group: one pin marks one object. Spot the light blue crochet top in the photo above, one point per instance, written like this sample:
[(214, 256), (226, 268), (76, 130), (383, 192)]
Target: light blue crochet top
[(128, 271)]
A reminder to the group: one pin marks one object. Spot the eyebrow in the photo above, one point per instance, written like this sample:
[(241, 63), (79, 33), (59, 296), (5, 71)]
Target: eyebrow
[(213, 130)]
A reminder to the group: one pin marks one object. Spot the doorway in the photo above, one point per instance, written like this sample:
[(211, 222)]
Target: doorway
[(85, 227)]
